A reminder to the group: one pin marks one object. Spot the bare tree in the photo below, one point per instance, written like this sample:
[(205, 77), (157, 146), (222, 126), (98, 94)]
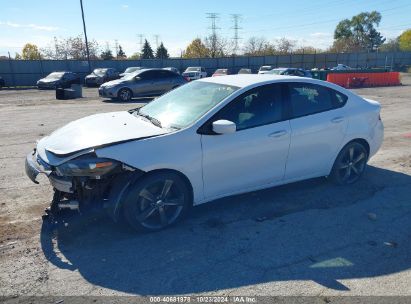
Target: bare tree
[(71, 48), (258, 46), (285, 46)]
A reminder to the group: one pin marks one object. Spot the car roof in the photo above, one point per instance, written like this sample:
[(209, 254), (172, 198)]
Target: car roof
[(246, 80)]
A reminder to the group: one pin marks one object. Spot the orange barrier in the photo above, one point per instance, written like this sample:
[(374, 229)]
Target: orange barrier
[(356, 80)]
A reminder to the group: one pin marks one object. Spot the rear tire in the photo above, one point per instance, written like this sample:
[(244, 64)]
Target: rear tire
[(350, 164), (157, 201)]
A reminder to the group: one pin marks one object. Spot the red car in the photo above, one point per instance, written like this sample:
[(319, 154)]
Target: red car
[(221, 72)]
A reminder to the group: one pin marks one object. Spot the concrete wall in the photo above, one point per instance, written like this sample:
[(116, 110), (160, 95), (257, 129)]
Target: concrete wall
[(27, 72)]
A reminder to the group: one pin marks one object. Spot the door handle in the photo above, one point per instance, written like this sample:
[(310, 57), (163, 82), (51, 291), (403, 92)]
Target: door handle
[(277, 133), (337, 119)]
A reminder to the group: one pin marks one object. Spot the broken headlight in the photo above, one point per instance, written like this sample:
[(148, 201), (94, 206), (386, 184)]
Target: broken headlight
[(91, 167)]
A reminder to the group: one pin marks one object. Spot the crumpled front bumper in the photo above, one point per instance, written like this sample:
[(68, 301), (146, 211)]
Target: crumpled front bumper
[(34, 167)]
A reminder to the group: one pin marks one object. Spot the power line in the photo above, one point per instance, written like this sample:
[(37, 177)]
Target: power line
[(236, 27)]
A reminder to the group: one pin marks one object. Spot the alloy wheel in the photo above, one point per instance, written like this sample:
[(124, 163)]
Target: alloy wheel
[(159, 204), (352, 164)]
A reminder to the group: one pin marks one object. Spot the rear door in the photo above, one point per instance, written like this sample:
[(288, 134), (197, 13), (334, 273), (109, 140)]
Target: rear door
[(318, 124)]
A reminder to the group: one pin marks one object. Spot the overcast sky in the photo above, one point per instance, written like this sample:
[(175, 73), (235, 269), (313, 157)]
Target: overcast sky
[(177, 22)]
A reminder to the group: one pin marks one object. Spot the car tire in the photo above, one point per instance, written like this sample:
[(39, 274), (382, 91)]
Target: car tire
[(157, 201), (125, 95), (350, 164)]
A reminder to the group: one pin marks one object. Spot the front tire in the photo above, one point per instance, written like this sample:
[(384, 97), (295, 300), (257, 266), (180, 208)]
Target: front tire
[(350, 164), (124, 95), (157, 201)]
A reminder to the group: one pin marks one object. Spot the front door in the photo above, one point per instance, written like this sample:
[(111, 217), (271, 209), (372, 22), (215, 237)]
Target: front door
[(254, 155)]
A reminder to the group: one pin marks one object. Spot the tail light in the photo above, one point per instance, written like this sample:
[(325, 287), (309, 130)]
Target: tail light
[(186, 78)]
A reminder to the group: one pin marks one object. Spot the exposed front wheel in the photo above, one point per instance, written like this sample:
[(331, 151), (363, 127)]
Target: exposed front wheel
[(157, 201), (125, 95), (350, 164)]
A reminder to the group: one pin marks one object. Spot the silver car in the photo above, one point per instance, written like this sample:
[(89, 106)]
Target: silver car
[(148, 82)]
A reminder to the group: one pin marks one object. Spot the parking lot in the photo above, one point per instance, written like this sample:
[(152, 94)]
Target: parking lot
[(307, 238)]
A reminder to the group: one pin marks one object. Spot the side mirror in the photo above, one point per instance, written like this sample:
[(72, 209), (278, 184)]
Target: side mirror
[(224, 127), (137, 78)]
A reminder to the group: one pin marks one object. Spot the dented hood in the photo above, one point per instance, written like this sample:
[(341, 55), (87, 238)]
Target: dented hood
[(97, 130)]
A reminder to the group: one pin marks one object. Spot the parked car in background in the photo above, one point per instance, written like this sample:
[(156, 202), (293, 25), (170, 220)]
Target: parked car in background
[(194, 73), (291, 72), (100, 76), (221, 72), (131, 70), (206, 140), (2, 82), (265, 68), (172, 69), (245, 71), (341, 67), (148, 82), (58, 80)]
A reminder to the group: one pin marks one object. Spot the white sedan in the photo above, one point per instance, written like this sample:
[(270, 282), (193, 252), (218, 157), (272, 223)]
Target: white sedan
[(208, 139)]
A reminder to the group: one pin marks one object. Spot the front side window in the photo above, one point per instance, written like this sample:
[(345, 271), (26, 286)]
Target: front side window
[(257, 107), (185, 105), (307, 99)]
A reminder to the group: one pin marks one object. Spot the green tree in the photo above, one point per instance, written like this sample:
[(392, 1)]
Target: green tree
[(196, 49), (162, 52), (391, 45), (120, 53), (135, 56), (107, 55), (360, 31), (17, 56), (147, 51), (405, 41), (30, 52)]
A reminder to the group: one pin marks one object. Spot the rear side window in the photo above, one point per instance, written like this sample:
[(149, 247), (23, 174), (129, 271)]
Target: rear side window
[(307, 99)]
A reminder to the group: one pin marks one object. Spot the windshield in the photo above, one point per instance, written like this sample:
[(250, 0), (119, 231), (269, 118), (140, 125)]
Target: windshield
[(55, 75), (193, 70), (185, 105), (99, 72), (276, 72), (133, 69)]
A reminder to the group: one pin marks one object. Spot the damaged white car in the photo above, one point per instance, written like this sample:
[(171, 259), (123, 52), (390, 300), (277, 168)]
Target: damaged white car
[(208, 139)]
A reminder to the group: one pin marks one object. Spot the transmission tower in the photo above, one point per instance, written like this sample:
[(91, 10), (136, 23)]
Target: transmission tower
[(213, 38), (236, 27), (213, 17), (116, 46), (156, 38), (140, 36)]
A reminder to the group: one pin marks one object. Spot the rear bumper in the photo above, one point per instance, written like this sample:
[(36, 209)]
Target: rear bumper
[(377, 138)]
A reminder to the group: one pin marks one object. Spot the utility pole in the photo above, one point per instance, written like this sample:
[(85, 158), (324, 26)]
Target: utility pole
[(85, 36), (214, 47), (236, 27)]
